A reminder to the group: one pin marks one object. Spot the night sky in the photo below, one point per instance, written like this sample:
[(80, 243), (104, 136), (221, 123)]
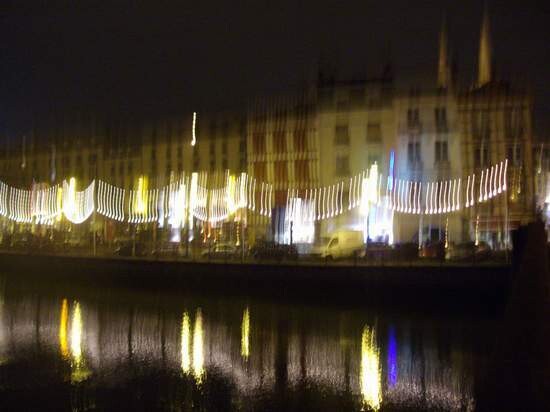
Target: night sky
[(120, 58)]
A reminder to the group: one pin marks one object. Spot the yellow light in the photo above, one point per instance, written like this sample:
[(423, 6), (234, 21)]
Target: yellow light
[(198, 355), (69, 203), (185, 343), (231, 205), (64, 347), (141, 198), (245, 334), (370, 369), (76, 335), (59, 203), (79, 371)]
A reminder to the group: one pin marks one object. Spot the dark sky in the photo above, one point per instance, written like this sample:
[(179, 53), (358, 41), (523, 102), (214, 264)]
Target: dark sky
[(121, 57)]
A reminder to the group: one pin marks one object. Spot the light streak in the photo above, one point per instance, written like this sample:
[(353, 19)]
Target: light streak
[(245, 334), (370, 374), (194, 136), (185, 343)]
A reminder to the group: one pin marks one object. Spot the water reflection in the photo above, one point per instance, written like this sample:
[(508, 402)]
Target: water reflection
[(185, 343), (63, 344), (370, 369), (325, 353), (245, 334), (198, 355)]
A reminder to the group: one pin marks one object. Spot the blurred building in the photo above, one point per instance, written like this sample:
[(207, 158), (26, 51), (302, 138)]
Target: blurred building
[(323, 142)]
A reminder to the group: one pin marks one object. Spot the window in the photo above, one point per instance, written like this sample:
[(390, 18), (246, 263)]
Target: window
[(281, 171), (480, 125), (180, 152), (374, 133), (212, 148), (300, 142), (260, 171), (279, 142), (224, 163), (196, 159), (441, 119), (153, 154), (514, 123), (333, 243), (341, 135), (301, 170), (413, 152), (413, 118), (258, 143), (342, 165), (481, 156), (224, 147), (441, 152), (242, 146), (514, 154)]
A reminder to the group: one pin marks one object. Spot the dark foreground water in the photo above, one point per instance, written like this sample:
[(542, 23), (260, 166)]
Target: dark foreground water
[(72, 347)]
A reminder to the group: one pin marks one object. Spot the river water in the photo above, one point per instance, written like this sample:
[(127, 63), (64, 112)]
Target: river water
[(74, 347)]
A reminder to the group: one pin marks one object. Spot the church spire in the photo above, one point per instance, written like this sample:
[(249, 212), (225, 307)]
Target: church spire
[(484, 62), (443, 72)]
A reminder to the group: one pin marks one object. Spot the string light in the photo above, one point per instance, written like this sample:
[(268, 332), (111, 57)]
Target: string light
[(194, 136)]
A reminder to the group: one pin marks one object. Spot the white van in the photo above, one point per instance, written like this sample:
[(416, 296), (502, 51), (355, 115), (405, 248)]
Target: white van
[(342, 244)]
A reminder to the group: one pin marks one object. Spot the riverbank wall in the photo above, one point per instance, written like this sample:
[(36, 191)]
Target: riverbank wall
[(399, 286)]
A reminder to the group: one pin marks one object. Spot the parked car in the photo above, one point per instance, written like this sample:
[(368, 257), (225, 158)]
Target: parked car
[(378, 251), (221, 251), (126, 249), (433, 250), (275, 251), (468, 251)]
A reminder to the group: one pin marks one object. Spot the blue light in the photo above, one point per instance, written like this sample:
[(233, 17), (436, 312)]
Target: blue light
[(390, 172), (392, 358)]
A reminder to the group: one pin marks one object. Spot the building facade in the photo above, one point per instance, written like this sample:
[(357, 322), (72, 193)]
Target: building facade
[(418, 153)]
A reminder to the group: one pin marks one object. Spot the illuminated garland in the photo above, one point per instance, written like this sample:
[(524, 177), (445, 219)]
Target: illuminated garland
[(110, 201), (44, 205), (189, 198), (77, 206)]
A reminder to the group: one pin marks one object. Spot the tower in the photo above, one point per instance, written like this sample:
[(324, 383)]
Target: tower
[(443, 71), (484, 60)]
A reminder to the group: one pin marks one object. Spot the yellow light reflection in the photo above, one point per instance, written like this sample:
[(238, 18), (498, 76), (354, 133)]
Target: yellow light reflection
[(370, 376), (63, 344), (185, 343), (79, 372), (245, 334), (76, 334), (198, 355)]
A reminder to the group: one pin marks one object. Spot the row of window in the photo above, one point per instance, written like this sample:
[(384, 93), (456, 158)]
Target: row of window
[(280, 169), (440, 115), (342, 135), (299, 140)]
